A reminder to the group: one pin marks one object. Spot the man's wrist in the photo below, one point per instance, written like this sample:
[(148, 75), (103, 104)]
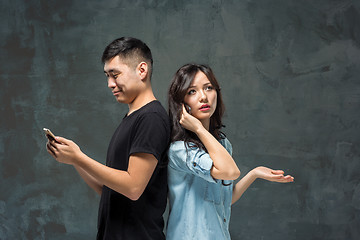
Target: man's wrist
[(78, 158)]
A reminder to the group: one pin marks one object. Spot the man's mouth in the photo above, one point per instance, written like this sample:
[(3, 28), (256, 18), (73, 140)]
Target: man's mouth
[(117, 92)]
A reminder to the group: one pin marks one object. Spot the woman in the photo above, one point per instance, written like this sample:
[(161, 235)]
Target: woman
[(201, 169)]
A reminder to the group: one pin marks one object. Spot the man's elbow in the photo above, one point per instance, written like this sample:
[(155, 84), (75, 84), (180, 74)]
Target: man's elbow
[(135, 194)]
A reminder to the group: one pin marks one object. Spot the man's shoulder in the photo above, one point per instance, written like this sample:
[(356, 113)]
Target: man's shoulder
[(155, 110), (153, 106)]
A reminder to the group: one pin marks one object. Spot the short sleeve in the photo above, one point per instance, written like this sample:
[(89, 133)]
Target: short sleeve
[(151, 135), (227, 145), (190, 159)]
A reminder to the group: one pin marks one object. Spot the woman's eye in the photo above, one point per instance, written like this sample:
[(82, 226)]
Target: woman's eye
[(209, 88), (191, 92)]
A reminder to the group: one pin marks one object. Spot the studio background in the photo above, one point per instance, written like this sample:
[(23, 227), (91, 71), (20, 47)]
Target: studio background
[(289, 71)]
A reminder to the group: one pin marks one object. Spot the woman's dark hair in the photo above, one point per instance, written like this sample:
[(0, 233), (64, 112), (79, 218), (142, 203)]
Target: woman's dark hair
[(177, 91)]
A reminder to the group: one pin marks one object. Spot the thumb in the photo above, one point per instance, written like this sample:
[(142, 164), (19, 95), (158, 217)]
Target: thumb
[(62, 140), (277, 172)]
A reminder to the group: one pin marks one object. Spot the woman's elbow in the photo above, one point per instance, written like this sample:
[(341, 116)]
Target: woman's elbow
[(231, 174), (226, 174), (234, 174)]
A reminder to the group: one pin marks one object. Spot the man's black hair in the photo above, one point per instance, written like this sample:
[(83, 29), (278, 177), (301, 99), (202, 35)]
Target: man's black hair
[(129, 49)]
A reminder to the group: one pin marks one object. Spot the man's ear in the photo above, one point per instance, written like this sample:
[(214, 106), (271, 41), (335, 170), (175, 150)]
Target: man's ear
[(143, 70)]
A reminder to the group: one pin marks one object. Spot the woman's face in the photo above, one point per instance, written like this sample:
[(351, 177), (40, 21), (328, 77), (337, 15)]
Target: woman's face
[(201, 97)]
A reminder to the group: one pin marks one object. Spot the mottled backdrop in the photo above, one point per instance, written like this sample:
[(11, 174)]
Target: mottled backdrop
[(289, 71)]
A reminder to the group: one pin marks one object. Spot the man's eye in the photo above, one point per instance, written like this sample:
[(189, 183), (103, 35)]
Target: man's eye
[(116, 75)]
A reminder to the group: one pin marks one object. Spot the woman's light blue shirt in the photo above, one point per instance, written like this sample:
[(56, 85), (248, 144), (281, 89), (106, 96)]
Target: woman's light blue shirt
[(200, 205)]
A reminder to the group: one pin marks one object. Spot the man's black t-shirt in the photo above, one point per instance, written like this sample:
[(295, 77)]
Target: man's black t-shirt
[(146, 130)]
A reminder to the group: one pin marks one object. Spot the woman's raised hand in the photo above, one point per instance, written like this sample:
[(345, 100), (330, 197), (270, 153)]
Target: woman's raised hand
[(189, 122)]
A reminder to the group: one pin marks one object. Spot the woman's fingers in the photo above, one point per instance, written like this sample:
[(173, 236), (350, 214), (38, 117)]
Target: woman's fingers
[(286, 179), (289, 178), (277, 172), (183, 108), (184, 112)]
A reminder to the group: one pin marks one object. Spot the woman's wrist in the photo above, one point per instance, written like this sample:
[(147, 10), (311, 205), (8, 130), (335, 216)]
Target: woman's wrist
[(253, 174), (200, 130)]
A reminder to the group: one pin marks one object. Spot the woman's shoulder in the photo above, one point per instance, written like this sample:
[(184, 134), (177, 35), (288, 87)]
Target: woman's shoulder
[(226, 143), (177, 148), (178, 155), (182, 149), (177, 145)]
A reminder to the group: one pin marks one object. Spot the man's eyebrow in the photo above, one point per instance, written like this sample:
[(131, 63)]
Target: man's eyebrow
[(111, 71)]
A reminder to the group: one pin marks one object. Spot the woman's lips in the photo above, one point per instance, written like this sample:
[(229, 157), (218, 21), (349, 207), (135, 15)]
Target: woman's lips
[(205, 107)]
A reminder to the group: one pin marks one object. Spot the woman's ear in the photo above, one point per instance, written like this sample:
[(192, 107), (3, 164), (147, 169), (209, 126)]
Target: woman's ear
[(143, 70)]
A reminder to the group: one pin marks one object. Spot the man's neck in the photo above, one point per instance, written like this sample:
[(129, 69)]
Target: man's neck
[(141, 100)]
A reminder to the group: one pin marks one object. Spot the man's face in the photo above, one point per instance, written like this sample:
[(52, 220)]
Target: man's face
[(123, 80)]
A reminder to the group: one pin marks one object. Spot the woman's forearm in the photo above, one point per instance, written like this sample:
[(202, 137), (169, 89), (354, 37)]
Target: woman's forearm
[(242, 186), (224, 165)]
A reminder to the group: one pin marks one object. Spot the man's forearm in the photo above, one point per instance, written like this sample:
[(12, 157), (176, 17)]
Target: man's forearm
[(90, 180), (130, 183)]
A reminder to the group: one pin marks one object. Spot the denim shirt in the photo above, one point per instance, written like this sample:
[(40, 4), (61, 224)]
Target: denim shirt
[(200, 205)]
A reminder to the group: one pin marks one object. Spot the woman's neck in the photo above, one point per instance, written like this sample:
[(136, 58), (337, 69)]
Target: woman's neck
[(206, 123)]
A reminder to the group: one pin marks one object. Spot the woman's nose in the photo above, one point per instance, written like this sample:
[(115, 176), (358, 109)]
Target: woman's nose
[(203, 96)]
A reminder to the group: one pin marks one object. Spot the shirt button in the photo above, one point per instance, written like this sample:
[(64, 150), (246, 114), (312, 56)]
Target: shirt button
[(224, 220), (194, 164)]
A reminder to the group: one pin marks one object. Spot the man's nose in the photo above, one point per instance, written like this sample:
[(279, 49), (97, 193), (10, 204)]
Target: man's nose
[(111, 82)]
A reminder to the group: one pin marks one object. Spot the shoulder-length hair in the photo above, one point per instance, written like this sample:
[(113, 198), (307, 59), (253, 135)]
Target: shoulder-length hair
[(177, 91)]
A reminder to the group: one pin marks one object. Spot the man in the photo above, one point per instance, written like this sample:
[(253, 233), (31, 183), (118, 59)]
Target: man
[(133, 183)]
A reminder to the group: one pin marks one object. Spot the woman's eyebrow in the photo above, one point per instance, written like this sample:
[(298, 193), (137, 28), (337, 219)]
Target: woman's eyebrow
[(194, 86)]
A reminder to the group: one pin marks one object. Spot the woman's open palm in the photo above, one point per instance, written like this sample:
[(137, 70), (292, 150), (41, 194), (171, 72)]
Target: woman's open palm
[(272, 175)]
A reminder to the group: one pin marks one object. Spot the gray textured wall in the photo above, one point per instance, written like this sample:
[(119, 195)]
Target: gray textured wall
[(289, 71)]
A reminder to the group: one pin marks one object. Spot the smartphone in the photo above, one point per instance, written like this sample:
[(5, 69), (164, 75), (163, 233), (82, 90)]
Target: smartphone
[(188, 108), (49, 134)]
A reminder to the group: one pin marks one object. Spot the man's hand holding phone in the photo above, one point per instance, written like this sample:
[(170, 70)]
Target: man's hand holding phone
[(62, 149), (49, 135)]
